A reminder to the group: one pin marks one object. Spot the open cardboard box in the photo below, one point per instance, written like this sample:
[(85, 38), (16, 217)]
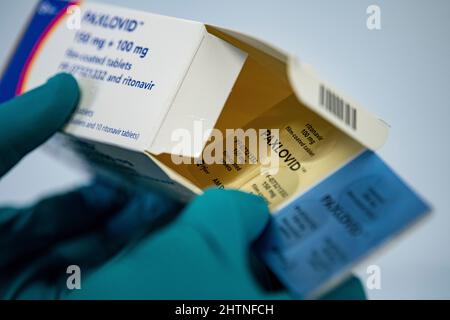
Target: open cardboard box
[(145, 76), (198, 73)]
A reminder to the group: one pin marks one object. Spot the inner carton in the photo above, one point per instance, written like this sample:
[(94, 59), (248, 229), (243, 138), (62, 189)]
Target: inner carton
[(262, 86)]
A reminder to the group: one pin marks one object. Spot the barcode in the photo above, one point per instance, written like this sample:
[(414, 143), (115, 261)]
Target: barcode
[(338, 107)]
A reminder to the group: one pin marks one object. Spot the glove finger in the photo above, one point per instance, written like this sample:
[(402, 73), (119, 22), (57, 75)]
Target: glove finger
[(228, 220), (351, 289), (29, 120), (121, 231), (33, 229), (145, 211)]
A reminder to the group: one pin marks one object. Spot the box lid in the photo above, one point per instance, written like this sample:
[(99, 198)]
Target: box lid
[(315, 93)]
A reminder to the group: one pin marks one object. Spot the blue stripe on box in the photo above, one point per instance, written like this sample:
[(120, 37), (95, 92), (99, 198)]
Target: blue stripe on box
[(44, 14)]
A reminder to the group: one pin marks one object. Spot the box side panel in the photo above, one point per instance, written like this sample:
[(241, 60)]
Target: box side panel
[(131, 167)]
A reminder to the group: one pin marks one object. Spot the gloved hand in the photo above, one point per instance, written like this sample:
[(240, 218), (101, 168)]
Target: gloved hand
[(37, 243), (29, 120), (114, 234), (203, 254)]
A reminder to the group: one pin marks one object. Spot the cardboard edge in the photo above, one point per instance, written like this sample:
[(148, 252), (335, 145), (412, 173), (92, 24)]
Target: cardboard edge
[(369, 130), (365, 127), (205, 89), (179, 179)]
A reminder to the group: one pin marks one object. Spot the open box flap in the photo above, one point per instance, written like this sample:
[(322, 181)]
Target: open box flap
[(337, 108), (200, 99)]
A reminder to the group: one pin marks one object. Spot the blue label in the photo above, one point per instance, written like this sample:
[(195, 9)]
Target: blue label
[(320, 235)]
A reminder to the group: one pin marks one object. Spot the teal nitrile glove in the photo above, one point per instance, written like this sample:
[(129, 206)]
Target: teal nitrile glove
[(105, 229), (85, 227), (38, 242), (29, 120), (203, 254)]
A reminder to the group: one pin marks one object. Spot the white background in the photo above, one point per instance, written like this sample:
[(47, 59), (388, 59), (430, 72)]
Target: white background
[(401, 73)]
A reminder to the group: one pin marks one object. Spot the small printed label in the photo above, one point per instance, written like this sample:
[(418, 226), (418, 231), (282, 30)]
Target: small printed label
[(321, 234)]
